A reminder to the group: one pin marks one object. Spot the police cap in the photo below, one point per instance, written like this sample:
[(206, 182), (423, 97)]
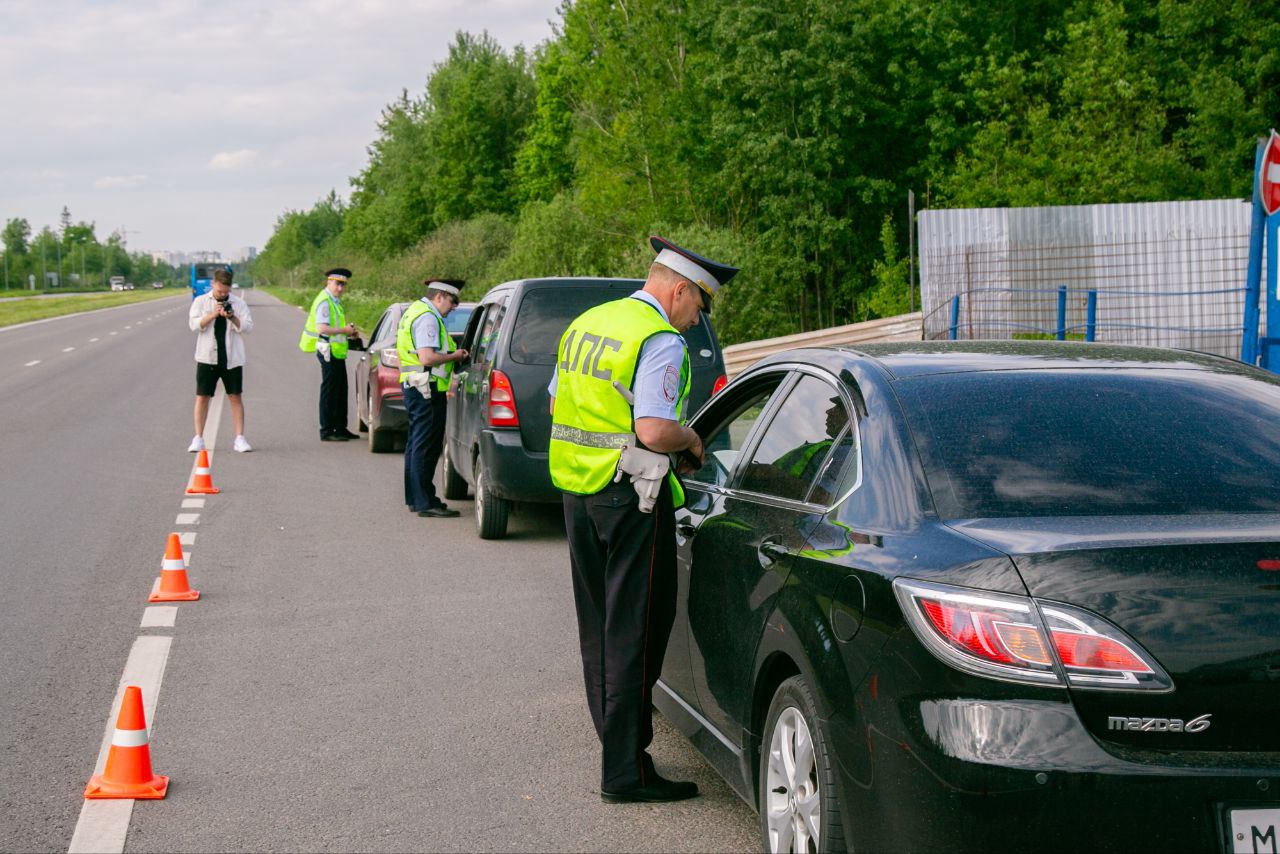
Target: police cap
[(708, 275)]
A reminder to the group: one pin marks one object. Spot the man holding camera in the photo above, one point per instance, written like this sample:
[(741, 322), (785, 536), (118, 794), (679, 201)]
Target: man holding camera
[(220, 319)]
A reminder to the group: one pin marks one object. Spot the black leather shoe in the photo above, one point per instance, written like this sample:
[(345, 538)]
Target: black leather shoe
[(439, 512), (656, 791), (333, 437), (347, 434)]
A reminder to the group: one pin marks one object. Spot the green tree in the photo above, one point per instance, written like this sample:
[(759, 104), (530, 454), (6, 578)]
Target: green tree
[(16, 236)]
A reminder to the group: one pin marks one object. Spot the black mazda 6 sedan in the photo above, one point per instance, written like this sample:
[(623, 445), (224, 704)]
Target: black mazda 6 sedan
[(987, 596)]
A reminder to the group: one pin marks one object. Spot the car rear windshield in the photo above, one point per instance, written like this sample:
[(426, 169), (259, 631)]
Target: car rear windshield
[(1093, 443), (545, 313)]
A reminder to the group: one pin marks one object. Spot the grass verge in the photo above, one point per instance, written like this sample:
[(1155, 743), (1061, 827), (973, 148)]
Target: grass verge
[(34, 308)]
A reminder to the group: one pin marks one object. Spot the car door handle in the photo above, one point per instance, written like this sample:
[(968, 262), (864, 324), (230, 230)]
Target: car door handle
[(770, 552)]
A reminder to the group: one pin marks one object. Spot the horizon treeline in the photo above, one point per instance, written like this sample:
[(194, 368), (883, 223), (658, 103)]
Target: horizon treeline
[(74, 252), (783, 136)]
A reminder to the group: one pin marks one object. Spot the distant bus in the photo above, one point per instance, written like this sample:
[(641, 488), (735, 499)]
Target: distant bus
[(202, 275)]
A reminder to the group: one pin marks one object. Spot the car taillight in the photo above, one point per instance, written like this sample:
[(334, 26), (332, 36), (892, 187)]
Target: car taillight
[(389, 358), (1018, 639), (721, 382), (502, 401)]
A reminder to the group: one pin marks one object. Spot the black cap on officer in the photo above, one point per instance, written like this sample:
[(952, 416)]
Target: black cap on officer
[(708, 275)]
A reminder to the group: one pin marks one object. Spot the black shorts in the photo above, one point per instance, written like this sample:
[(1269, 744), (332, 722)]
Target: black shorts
[(207, 377)]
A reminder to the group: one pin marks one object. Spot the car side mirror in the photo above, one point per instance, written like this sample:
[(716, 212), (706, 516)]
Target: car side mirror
[(357, 344)]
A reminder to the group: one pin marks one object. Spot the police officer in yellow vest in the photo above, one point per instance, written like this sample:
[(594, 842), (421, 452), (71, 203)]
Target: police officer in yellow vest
[(326, 334), (618, 396), (427, 357)]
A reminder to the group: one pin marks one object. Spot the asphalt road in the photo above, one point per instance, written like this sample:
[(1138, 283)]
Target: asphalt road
[(353, 677)]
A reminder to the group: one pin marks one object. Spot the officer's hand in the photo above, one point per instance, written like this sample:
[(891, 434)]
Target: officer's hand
[(463, 354), (691, 458), (351, 329)]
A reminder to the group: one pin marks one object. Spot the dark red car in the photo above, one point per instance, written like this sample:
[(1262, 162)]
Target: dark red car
[(379, 401)]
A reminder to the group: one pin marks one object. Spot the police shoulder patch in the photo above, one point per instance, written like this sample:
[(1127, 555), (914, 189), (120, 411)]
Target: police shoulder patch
[(670, 383)]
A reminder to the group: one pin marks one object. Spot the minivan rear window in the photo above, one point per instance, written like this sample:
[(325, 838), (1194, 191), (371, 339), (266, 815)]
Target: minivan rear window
[(545, 313), (1095, 443)]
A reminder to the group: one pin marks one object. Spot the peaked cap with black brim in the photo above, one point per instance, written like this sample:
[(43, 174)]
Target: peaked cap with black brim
[(708, 275)]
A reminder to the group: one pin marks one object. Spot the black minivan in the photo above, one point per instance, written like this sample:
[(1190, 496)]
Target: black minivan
[(499, 421)]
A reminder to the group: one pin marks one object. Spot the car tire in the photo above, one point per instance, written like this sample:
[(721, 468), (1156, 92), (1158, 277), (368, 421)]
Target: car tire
[(381, 441), (491, 511), (797, 805), (455, 485)]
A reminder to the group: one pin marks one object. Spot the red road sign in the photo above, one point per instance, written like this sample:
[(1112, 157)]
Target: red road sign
[(1269, 178)]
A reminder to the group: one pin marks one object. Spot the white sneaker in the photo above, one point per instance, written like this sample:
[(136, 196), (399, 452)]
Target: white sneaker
[(241, 445), (197, 445)]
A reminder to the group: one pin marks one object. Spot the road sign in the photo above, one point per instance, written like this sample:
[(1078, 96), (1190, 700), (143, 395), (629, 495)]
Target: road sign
[(1269, 175)]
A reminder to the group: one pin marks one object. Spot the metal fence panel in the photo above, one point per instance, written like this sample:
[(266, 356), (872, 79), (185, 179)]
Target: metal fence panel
[(1168, 274)]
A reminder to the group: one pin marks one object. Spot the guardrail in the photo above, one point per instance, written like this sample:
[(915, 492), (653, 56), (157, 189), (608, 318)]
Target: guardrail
[(904, 327)]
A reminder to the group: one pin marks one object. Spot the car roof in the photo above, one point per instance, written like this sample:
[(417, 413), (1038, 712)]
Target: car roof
[(560, 281), (903, 360)]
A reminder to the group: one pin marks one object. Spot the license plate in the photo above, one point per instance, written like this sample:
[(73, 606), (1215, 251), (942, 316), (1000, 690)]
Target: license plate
[(1255, 831)]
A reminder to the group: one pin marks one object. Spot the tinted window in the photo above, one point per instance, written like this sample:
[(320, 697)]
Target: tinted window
[(1084, 443), (489, 332), (545, 313), (795, 445), (724, 442), (456, 322), (384, 334)]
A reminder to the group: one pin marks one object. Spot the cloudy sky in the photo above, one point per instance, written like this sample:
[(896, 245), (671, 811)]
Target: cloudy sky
[(192, 124)]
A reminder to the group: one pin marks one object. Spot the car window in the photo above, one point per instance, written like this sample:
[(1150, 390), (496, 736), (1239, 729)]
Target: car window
[(544, 315), (840, 472), (796, 444), (384, 334), (489, 332), (456, 322), (1097, 442), (734, 419)]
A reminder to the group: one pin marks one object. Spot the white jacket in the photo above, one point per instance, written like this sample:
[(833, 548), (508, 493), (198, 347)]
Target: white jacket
[(206, 343)]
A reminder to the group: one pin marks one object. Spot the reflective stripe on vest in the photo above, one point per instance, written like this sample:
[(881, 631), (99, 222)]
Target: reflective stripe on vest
[(592, 421), (337, 319), (409, 354)]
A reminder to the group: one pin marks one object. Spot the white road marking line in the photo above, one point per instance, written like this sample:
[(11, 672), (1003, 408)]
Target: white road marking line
[(115, 333), (128, 327), (67, 349), (193, 502), (103, 825), (187, 538), (91, 340), (158, 615), (186, 558), (32, 362), (187, 519), (210, 433)]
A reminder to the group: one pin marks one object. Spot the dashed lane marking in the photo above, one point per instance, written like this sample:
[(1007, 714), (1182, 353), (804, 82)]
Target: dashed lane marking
[(193, 502), (103, 825), (114, 332), (187, 538), (159, 616), (67, 349), (187, 519), (91, 340), (32, 362)]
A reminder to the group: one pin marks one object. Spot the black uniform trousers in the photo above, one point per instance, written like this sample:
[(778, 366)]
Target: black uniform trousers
[(333, 395), (624, 587), (423, 445)]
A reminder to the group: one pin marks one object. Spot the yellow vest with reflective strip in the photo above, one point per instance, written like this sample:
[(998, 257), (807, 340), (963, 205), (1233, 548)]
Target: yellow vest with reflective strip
[(409, 354), (337, 319), (592, 422)]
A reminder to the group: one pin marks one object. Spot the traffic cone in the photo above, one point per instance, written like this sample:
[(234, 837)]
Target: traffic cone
[(201, 482), (128, 772), (172, 585)]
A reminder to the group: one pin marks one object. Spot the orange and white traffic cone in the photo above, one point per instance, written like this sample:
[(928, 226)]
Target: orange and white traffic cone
[(172, 584), (128, 772), (201, 481)]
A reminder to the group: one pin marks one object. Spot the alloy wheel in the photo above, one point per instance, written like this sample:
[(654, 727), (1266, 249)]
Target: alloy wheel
[(794, 799)]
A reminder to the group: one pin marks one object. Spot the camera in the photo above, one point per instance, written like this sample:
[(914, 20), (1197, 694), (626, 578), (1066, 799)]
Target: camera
[(225, 305)]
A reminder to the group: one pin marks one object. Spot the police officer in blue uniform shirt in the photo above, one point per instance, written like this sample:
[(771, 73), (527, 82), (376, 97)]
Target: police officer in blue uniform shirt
[(333, 370), (422, 350), (623, 559)]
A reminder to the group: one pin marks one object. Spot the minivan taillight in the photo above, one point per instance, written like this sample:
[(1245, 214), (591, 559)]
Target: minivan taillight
[(721, 382), (502, 401), (1017, 639), (389, 358)]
